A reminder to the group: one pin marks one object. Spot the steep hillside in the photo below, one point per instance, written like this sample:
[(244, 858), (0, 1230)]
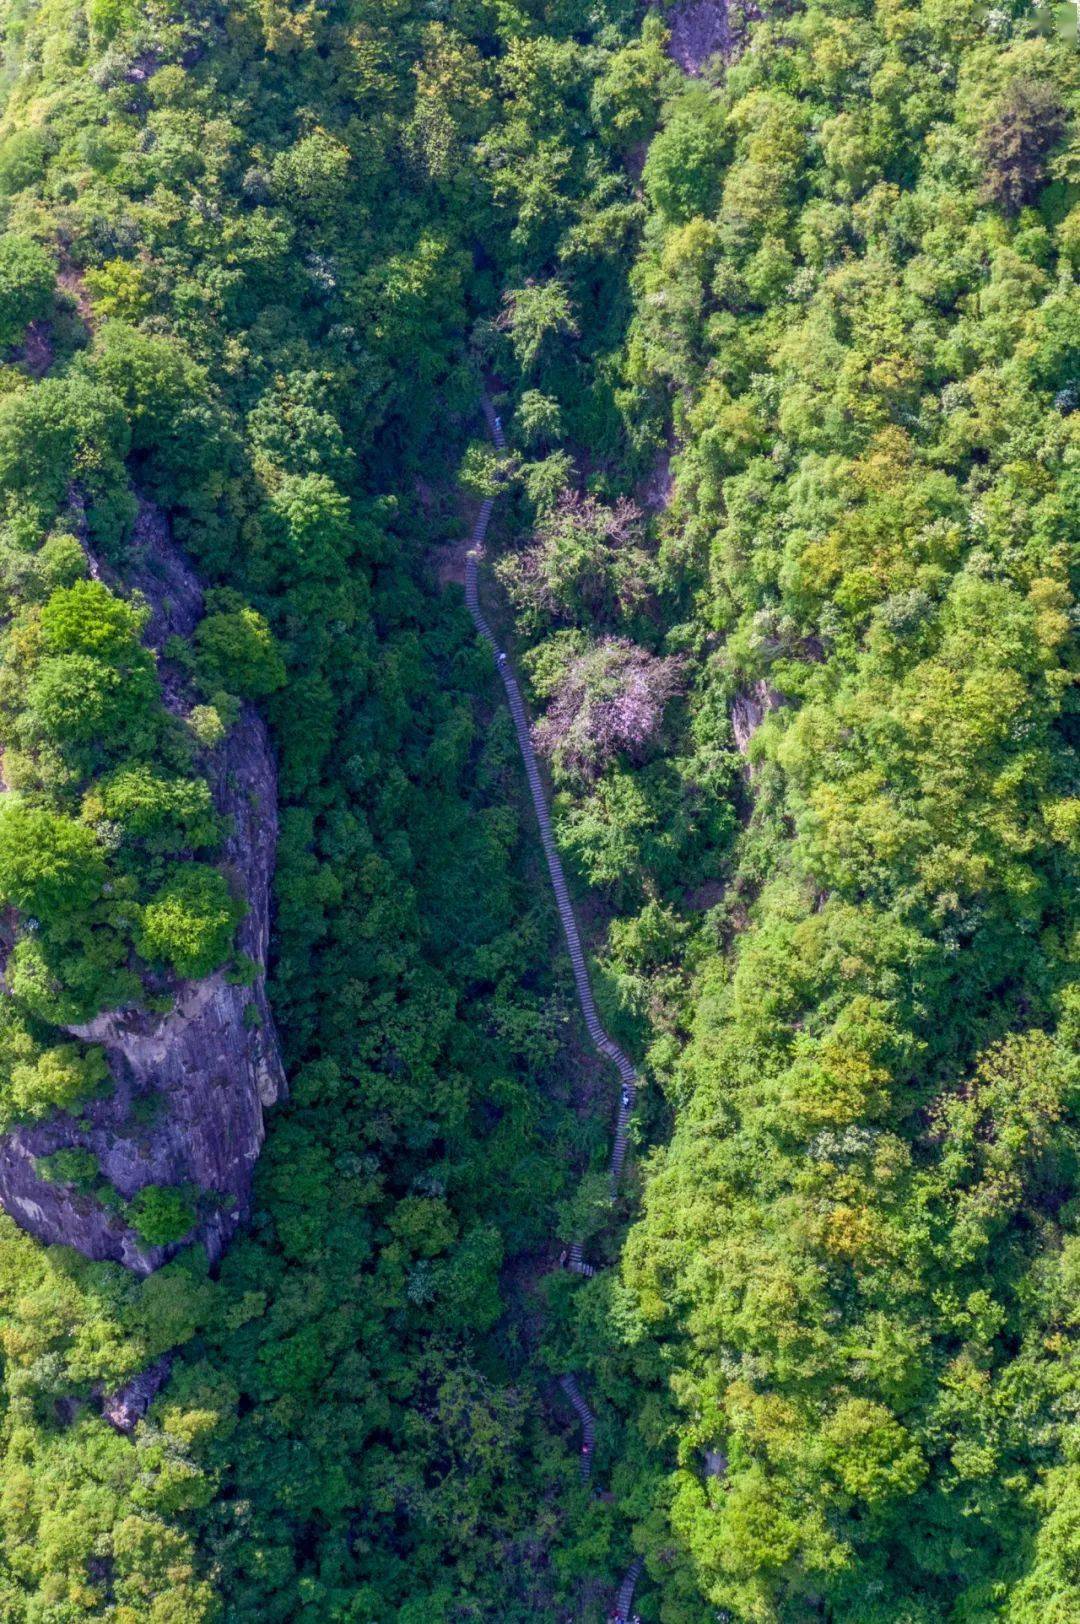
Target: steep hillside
[(356, 1418), (776, 309)]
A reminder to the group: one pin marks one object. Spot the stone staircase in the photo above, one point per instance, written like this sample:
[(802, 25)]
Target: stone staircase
[(625, 1599), (628, 1077), (588, 1423)]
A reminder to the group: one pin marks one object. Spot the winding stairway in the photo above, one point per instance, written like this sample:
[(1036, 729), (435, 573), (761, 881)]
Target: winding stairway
[(628, 1077), (588, 1423)]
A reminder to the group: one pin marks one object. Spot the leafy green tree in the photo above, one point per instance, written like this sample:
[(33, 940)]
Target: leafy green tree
[(27, 277), (165, 394), (534, 315), (49, 864), (627, 96), (238, 652), (312, 176), (685, 166), (312, 517), (189, 922), (24, 154), (75, 699), (161, 1213), (87, 618), (170, 814), (58, 1079)]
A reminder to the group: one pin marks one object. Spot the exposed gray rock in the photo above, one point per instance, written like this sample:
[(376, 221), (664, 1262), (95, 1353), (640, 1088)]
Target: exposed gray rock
[(749, 709), (127, 1406), (191, 1085), (704, 30)]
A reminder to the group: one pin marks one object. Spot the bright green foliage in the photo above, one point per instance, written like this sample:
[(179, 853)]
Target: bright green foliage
[(851, 1250), (58, 1079), (627, 95), (169, 814), (24, 154), (82, 717), (88, 619), (48, 864), (38, 1078), (76, 701), (237, 652), (188, 924), (79, 1493), (79, 687), (161, 1214)]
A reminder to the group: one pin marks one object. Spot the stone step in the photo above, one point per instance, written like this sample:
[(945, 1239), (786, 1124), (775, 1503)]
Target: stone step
[(625, 1598)]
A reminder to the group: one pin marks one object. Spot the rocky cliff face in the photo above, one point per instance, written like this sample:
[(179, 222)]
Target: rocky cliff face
[(708, 32), (191, 1085)]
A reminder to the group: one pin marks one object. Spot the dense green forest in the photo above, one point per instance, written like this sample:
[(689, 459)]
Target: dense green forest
[(788, 356)]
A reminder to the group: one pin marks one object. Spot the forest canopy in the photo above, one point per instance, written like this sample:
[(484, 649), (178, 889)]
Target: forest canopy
[(787, 353)]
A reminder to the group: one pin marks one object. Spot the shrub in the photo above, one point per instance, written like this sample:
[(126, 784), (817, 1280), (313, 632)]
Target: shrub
[(73, 1165), (207, 726), (27, 276), (69, 979), (161, 1214)]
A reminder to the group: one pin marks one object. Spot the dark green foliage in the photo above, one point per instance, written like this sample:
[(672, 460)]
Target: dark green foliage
[(74, 1166), (27, 275), (273, 217), (24, 154), (684, 171)]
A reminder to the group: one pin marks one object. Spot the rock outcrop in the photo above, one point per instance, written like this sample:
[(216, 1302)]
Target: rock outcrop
[(125, 1408), (191, 1085), (749, 709), (708, 31)]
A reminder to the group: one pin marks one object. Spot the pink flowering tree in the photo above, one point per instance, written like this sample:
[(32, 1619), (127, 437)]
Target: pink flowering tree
[(608, 699)]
